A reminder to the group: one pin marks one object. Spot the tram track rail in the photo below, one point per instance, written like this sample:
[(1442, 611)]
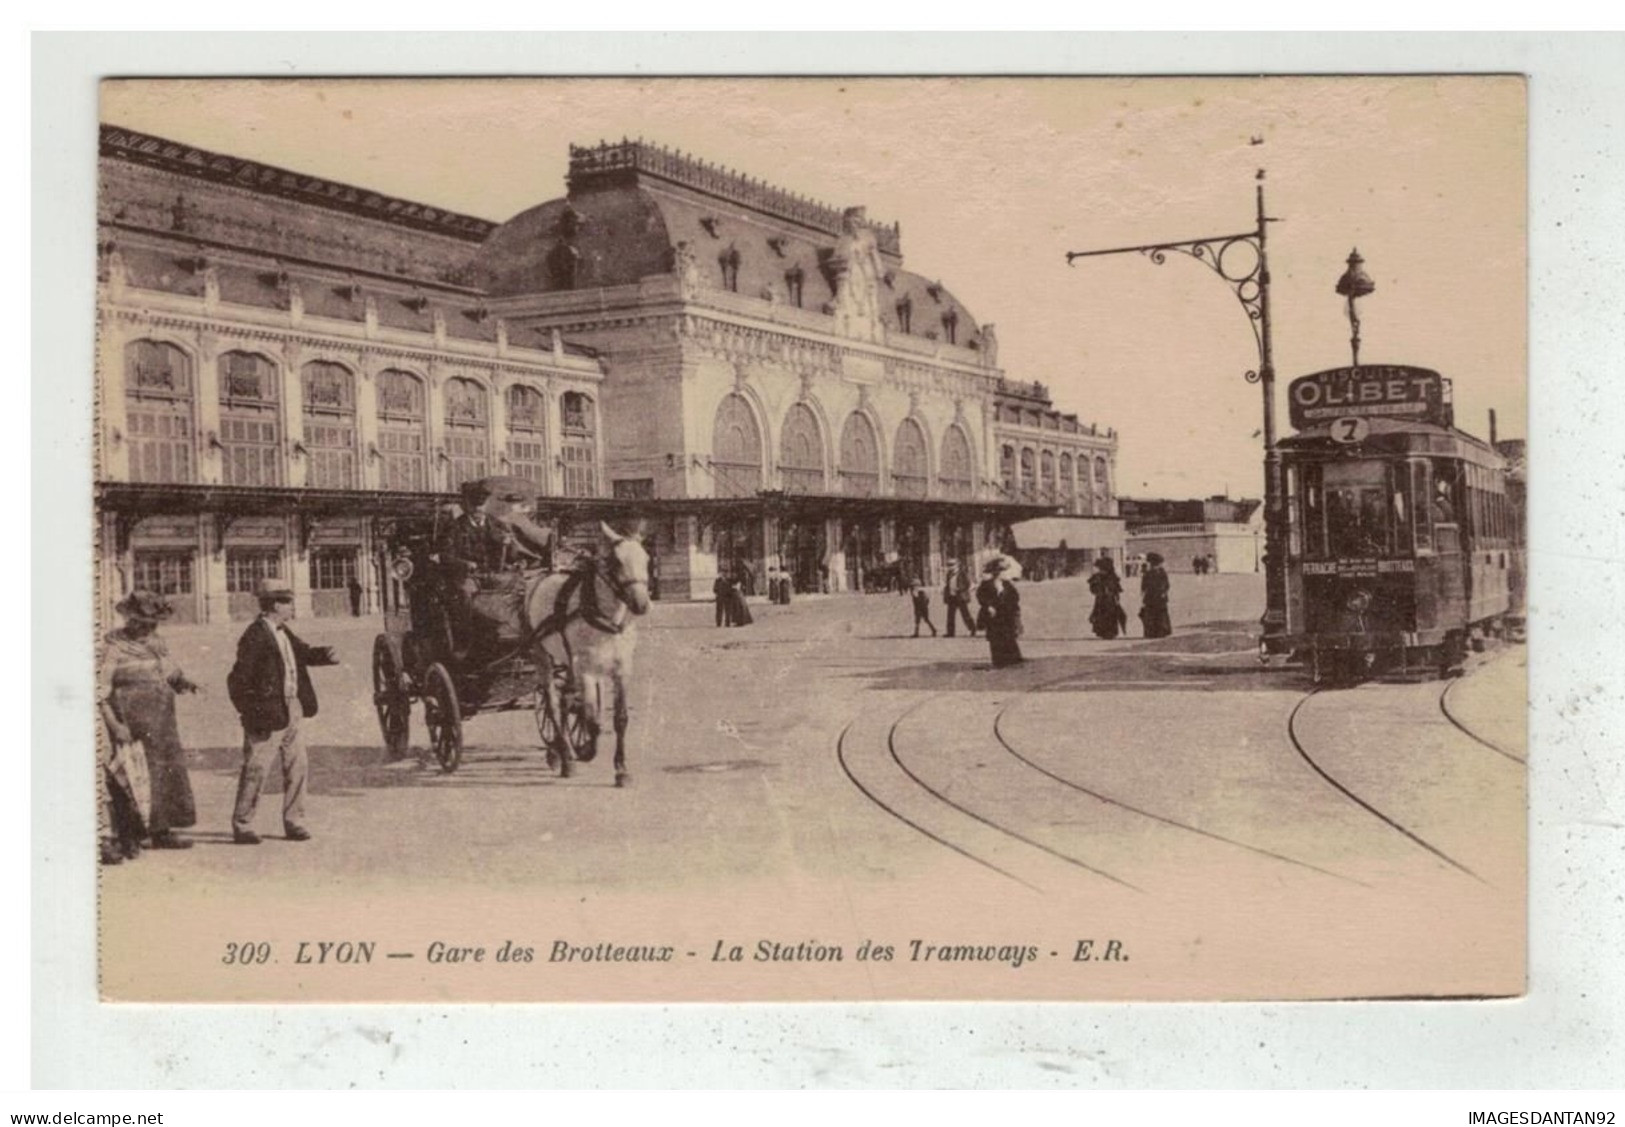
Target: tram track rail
[(943, 801), (1175, 823), (1303, 752), (1444, 707)]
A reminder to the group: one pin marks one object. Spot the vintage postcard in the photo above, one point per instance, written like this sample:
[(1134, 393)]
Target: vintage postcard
[(810, 539)]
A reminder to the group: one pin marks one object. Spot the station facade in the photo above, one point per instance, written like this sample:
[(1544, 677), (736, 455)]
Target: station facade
[(287, 366)]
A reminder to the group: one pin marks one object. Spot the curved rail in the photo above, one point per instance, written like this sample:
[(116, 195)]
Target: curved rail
[(891, 747), (1292, 735), (1444, 707), (998, 734), (840, 756)]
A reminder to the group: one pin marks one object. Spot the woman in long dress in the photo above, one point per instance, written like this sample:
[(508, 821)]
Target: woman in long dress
[(136, 695), (1154, 598), (1107, 619), (1000, 604)]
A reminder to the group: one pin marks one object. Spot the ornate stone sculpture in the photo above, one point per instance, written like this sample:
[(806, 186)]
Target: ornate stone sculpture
[(687, 268), (857, 270)]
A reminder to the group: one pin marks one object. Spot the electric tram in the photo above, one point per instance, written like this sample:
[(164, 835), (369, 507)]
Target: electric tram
[(1403, 547)]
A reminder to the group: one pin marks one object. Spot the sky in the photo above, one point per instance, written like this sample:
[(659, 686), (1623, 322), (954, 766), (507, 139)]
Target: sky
[(994, 180)]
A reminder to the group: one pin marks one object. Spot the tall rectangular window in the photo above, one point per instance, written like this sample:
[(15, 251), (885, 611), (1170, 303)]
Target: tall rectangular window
[(468, 436), (250, 421), (527, 434), (158, 412), (403, 442), (329, 417)]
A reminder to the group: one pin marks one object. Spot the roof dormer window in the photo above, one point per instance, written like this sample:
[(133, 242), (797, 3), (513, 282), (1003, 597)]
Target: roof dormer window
[(950, 325), (793, 279), (729, 261), (905, 314)]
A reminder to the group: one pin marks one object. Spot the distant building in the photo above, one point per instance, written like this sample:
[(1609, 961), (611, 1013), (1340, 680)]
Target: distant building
[(1228, 529)]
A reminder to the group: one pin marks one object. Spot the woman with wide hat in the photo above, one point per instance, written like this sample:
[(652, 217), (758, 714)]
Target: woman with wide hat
[(1107, 618), (1000, 612), (1154, 598), (146, 794)]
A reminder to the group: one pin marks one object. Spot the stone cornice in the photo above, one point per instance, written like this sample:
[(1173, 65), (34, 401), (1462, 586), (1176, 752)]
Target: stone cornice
[(303, 337)]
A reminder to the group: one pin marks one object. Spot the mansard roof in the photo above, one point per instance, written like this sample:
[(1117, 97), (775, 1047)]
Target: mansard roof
[(632, 205), (218, 168)]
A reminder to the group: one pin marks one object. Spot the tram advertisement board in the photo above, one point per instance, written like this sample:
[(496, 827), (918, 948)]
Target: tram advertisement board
[(1371, 390)]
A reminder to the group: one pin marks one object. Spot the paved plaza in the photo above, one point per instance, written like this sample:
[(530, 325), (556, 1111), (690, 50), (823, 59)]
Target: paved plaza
[(823, 746)]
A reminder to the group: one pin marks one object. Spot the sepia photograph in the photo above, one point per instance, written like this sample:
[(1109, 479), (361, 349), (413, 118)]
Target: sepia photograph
[(810, 539)]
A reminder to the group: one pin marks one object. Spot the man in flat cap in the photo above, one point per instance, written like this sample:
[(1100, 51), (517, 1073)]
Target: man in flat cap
[(273, 694)]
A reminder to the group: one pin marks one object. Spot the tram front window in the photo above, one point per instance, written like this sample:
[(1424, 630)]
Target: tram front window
[(1357, 509)]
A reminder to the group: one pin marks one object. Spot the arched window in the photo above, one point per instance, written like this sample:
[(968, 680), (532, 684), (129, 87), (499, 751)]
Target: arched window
[(329, 394), (527, 434), (1007, 469), (403, 432), (158, 412), (1046, 476), (250, 420), (1102, 487), (468, 432), (1029, 474), (736, 449), (801, 452), (1069, 484), (580, 450), (909, 469), (957, 475), (860, 457)]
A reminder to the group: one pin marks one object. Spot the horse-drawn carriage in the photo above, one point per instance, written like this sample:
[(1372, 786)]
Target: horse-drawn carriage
[(490, 624)]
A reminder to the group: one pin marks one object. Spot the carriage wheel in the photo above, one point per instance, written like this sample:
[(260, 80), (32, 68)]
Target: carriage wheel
[(390, 698), (444, 717)]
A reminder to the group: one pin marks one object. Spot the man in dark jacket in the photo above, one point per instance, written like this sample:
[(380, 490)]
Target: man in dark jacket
[(273, 694)]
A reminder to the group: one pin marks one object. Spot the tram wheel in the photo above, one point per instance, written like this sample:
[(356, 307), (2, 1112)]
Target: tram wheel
[(444, 717), (389, 697)]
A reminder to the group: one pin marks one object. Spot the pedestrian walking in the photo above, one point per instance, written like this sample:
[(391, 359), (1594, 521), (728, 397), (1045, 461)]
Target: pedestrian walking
[(355, 597), (1154, 598), (1107, 618), (145, 790), (740, 609), (723, 591), (1197, 564), (922, 608), (956, 593), (1000, 604), (273, 694)]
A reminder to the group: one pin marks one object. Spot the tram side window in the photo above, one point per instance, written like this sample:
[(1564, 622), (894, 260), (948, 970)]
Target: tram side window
[(1314, 513), (1397, 487), (1294, 516), (1421, 494), (1445, 500)]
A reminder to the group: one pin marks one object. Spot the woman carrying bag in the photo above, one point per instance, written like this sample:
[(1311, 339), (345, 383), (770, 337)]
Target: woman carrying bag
[(145, 789)]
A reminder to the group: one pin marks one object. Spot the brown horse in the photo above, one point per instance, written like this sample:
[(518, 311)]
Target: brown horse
[(584, 621)]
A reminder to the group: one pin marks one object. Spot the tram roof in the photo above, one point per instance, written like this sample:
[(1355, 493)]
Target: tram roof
[(1396, 436)]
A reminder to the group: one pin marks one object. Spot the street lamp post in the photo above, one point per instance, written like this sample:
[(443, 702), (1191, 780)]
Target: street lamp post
[(1355, 284), (1248, 277)]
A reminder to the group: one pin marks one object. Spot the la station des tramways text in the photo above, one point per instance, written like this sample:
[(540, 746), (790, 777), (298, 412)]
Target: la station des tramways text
[(290, 367)]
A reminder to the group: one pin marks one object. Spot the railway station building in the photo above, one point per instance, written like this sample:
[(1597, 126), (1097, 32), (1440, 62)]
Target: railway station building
[(288, 366)]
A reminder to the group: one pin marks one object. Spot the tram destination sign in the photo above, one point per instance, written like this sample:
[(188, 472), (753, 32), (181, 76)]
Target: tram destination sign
[(1370, 391)]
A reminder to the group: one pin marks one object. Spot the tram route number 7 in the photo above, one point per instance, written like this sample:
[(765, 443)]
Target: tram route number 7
[(1349, 429)]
